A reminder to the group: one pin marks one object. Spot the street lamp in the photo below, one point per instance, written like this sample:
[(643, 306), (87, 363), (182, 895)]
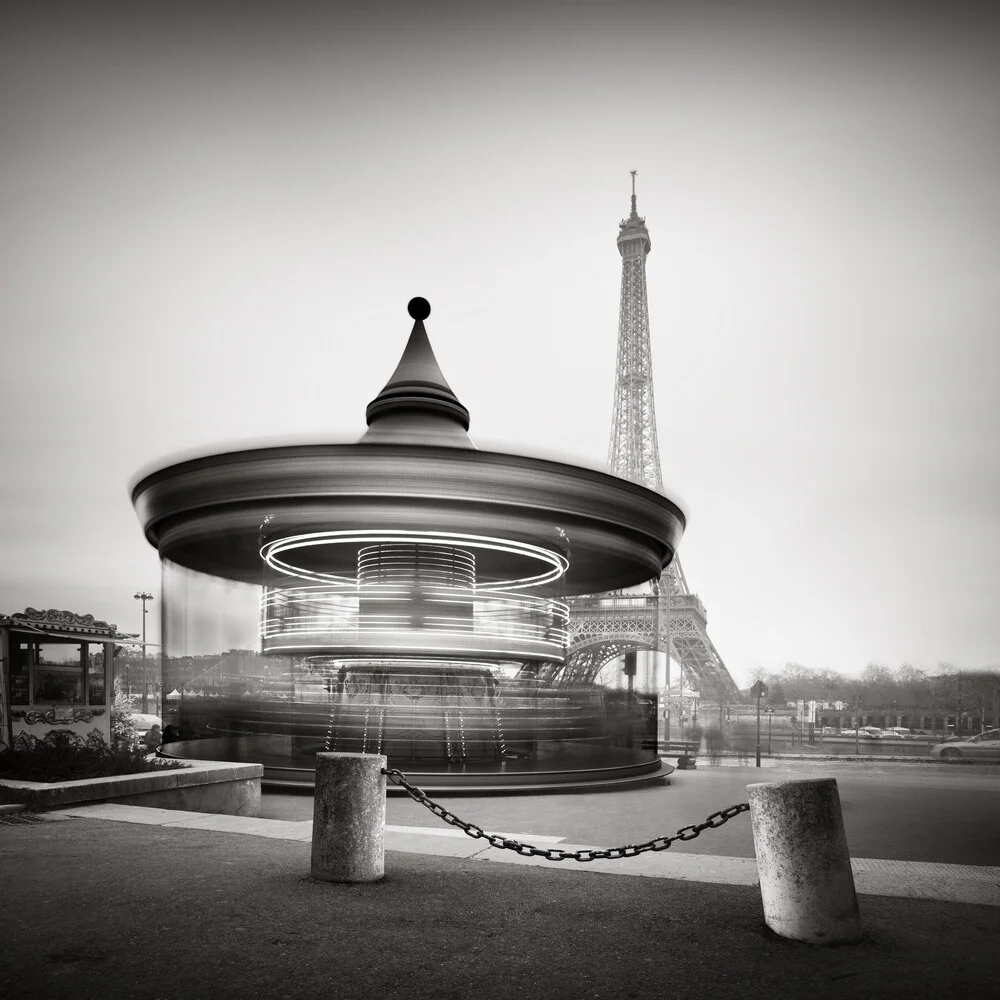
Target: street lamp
[(631, 659), (758, 690), (143, 596)]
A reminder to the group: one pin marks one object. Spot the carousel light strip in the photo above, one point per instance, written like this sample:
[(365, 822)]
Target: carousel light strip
[(334, 639), (420, 651), (557, 563), (346, 596), (349, 624), (533, 633)]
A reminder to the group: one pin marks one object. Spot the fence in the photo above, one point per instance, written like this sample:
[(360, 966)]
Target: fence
[(807, 886)]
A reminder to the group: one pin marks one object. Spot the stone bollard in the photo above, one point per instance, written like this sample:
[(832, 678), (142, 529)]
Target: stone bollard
[(348, 840), (806, 881)]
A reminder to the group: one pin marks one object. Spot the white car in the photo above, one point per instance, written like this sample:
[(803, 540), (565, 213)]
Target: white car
[(985, 746)]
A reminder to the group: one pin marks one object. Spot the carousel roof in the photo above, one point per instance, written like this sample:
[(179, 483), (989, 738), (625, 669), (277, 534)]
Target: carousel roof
[(417, 406), (414, 473)]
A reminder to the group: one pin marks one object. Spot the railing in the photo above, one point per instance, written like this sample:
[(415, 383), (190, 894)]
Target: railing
[(678, 602)]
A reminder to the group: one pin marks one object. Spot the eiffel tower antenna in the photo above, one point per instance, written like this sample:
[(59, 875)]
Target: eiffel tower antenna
[(667, 613)]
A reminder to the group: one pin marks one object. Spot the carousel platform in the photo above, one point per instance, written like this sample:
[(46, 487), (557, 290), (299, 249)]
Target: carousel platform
[(554, 766)]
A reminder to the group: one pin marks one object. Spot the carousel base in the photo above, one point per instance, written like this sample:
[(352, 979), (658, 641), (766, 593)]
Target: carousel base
[(557, 766)]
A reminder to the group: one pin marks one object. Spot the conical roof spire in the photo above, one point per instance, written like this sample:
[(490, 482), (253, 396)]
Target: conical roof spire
[(417, 406)]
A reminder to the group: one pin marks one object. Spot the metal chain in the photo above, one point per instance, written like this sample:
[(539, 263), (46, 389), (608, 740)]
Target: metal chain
[(713, 822)]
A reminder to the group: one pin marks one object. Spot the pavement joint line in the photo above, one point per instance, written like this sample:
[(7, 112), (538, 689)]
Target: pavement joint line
[(872, 876), (434, 831)]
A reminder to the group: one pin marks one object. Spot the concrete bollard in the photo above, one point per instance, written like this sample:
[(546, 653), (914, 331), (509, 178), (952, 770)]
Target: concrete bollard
[(806, 881), (348, 840)]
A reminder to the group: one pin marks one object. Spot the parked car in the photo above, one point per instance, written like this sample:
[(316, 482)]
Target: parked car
[(890, 734), (985, 746), (901, 731)]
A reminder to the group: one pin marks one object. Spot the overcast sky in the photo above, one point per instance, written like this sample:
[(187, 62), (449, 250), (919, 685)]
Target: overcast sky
[(214, 216)]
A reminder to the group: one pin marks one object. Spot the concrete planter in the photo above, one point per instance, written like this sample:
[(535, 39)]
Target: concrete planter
[(204, 786)]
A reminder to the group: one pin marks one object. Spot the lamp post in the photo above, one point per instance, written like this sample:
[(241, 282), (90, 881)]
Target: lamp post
[(631, 659), (143, 596), (758, 690), (857, 725), (769, 711)]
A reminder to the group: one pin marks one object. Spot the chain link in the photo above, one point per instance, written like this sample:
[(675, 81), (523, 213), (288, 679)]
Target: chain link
[(713, 822)]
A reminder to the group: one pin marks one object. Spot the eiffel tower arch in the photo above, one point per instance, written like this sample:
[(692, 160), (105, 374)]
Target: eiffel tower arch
[(664, 614), (606, 626)]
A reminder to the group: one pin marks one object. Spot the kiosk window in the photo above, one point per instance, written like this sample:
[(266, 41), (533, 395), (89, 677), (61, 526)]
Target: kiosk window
[(57, 673), (20, 684), (96, 685)]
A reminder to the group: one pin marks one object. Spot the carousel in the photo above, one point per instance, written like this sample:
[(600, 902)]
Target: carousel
[(402, 595)]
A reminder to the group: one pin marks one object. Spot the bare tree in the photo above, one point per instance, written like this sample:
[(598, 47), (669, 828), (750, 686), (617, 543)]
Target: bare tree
[(980, 689)]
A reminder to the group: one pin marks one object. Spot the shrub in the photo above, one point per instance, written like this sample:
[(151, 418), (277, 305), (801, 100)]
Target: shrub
[(124, 736), (66, 756)]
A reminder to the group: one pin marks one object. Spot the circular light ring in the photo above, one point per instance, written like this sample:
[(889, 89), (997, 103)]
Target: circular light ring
[(325, 665), (418, 644), (555, 563), (327, 593)]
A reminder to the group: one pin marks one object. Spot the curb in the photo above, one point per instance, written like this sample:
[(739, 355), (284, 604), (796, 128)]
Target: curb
[(851, 758), (194, 775)]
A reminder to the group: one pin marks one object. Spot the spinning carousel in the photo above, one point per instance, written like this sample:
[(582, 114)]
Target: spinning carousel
[(399, 595)]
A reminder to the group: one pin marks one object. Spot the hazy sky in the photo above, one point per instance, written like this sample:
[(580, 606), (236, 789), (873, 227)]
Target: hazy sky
[(214, 215)]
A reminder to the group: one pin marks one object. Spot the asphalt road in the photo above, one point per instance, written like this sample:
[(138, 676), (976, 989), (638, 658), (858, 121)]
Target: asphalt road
[(902, 812)]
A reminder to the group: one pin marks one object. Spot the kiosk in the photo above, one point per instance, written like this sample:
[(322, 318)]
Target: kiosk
[(56, 673)]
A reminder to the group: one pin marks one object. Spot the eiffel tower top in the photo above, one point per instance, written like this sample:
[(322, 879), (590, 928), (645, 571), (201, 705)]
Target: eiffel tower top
[(633, 451), (633, 237)]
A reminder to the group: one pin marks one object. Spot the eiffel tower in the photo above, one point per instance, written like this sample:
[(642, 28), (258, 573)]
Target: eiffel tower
[(604, 627)]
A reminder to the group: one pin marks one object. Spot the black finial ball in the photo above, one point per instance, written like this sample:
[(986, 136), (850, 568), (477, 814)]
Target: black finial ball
[(419, 308)]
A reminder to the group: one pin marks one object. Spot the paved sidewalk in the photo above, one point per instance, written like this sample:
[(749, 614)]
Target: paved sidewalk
[(875, 877), (161, 904)]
